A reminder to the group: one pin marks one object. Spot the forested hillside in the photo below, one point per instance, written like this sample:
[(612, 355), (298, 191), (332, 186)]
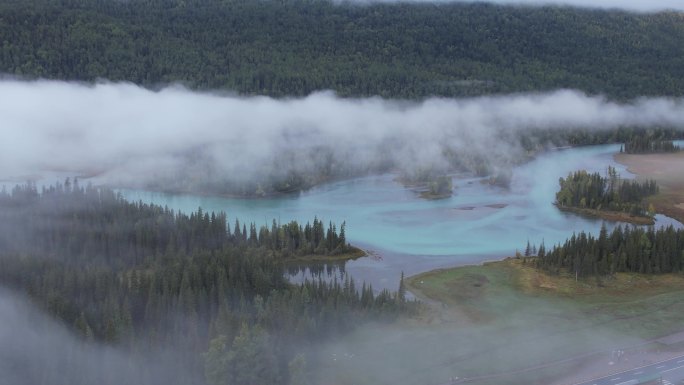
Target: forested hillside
[(183, 291), (294, 47)]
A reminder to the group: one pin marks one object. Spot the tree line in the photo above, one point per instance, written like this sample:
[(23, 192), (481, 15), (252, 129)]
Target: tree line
[(149, 280), (536, 138), (625, 249), (295, 47), (647, 143), (592, 191), (130, 232)]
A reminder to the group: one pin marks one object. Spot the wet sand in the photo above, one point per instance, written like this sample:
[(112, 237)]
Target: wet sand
[(668, 171)]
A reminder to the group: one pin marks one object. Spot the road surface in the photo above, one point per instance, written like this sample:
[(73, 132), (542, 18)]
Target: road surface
[(671, 371)]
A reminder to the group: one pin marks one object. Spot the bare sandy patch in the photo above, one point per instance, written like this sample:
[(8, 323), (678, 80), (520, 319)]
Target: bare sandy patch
[(668, 171)]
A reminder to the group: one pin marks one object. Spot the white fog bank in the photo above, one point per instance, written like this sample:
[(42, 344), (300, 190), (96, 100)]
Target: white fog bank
[(127, 133)]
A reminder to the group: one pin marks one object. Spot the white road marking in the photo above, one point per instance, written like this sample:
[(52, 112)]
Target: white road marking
[(639, 372), (680, 361), (660, 367), (630, 382), (669, 370), (615, 379)]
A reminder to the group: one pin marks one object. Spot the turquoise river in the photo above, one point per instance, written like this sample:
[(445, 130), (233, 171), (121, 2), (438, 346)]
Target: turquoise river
[(403, 232)]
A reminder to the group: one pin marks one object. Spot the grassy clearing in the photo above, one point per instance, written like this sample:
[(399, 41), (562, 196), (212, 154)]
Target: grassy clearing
[(537, 318), (643, 305)]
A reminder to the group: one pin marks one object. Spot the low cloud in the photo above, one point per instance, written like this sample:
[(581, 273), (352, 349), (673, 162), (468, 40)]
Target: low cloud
[(131, 135), (36, 349)]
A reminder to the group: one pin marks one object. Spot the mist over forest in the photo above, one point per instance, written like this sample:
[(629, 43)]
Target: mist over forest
[(258, 101), (176, 139)]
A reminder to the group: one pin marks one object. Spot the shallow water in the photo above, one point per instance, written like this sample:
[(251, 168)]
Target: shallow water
[(479, 222)]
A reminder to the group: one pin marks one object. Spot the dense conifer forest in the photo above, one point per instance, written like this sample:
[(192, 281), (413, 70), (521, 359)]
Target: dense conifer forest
[(648, 143), (295, 47), (146, 279), (625, 249)]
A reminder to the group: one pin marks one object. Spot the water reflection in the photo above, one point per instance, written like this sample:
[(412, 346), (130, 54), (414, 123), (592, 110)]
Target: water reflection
[(314, 271)]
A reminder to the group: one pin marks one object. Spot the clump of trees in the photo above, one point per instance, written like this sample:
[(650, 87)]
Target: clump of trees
[(593, 191), (648, 143), (625, 249), (433, 181), (147, 279), (441, 185)]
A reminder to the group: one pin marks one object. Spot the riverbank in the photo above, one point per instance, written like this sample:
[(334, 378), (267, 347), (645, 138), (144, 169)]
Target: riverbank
[(429, 195), (666, 170), (551, 320), (613, 216), (353, 254)]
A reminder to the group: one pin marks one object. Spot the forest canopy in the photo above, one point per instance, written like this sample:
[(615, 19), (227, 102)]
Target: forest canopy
[(625, 249), (593, 191), (295, 47), (183, 291)]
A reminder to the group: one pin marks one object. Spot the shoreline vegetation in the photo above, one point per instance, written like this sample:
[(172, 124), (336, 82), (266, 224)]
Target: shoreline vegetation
[(352, 253), (429, 195), (608, 215), (428, 186)]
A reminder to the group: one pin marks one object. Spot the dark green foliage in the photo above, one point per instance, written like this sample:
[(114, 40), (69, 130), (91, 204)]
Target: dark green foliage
[(441, 185), (530, 139), (592, 191), (250, 359), (626, 249), (85, 223), (649, 142), (294, 47), (148, 279)]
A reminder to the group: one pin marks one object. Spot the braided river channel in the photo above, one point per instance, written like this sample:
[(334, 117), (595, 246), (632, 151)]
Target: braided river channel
[(403, 232)]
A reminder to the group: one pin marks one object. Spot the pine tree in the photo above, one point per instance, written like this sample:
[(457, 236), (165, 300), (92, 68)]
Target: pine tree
[(216, 368), (401, 293), (297, 370)]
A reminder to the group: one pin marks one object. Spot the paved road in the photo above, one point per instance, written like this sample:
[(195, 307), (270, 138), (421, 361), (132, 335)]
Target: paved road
[(671, 371)]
